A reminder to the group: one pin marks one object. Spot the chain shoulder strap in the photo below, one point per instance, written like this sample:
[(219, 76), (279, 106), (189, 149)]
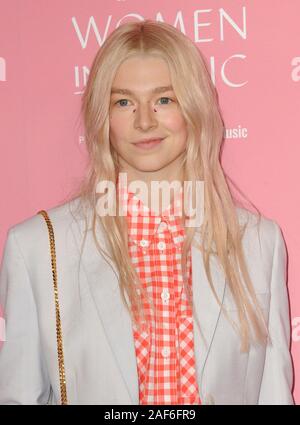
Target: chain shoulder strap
[(61, 365)]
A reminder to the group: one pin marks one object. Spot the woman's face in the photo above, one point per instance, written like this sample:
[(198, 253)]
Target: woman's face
[(142, 113)]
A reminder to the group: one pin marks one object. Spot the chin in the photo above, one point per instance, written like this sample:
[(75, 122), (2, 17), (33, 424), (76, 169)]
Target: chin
[(149, 166)]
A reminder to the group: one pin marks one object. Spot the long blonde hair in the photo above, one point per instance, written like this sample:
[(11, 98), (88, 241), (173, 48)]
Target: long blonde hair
[(221, 231)]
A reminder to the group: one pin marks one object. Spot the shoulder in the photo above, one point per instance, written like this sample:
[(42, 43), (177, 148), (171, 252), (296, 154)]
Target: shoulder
[(266, 226), (262, 235), (32, 231)]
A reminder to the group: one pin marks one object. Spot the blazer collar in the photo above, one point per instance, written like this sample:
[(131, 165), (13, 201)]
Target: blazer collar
[(102, 277)]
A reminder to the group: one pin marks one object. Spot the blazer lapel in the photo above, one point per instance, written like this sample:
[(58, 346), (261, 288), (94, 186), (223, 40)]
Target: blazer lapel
[(103, 283), (206, 309)]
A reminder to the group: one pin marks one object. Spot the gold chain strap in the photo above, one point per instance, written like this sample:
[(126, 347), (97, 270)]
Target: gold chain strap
[(61, 365)]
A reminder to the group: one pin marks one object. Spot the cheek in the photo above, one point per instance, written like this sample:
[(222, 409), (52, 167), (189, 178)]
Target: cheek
[(117, 121), (116, 128), (175, 122)]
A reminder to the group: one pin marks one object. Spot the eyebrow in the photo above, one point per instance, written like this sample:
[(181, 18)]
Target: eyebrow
[(160, 89)]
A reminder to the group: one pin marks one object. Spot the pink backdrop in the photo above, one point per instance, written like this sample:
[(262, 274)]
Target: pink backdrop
[(46, 49)]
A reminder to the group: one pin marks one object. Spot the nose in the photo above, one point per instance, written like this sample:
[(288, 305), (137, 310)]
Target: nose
[(145, 116)]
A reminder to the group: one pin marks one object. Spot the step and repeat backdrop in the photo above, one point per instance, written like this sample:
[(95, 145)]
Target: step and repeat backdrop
[(253, 52)]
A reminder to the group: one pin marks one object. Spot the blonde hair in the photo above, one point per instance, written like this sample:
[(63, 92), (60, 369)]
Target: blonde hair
[(221, 232)]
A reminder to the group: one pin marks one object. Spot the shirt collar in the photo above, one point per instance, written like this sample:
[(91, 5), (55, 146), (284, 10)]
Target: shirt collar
[(136, 210)]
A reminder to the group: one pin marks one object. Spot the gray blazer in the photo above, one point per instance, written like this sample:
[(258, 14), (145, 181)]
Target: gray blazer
[(99, 352)]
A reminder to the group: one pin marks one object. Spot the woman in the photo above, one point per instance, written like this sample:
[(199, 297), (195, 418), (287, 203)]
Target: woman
[(151, 310)]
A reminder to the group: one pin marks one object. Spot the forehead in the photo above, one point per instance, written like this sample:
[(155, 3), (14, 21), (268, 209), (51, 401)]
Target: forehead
[(142, 74)]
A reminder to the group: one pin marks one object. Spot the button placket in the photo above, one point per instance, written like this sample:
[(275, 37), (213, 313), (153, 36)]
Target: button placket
[(165, 296), (165, 352), (144, 243), (161, 246), (162, 227), (147, 234)]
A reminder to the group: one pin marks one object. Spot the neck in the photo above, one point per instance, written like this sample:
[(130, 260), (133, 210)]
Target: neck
[(170, 174)]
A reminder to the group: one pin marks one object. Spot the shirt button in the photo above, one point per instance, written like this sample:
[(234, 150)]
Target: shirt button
[(163, 225), (165, 352), (161, 246), (144, 242), (179, 239), (165, 295)]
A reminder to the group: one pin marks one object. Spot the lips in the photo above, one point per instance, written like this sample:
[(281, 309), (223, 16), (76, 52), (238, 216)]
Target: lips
[(148, 143)]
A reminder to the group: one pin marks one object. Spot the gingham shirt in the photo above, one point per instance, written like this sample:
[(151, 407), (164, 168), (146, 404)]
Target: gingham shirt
[(164, 346)]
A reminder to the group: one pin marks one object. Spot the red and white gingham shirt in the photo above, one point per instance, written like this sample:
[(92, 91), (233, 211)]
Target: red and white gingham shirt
[(164, 347)]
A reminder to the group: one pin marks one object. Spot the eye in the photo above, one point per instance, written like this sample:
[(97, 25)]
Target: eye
[(122, 100), (126, 100), (168, 98)]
